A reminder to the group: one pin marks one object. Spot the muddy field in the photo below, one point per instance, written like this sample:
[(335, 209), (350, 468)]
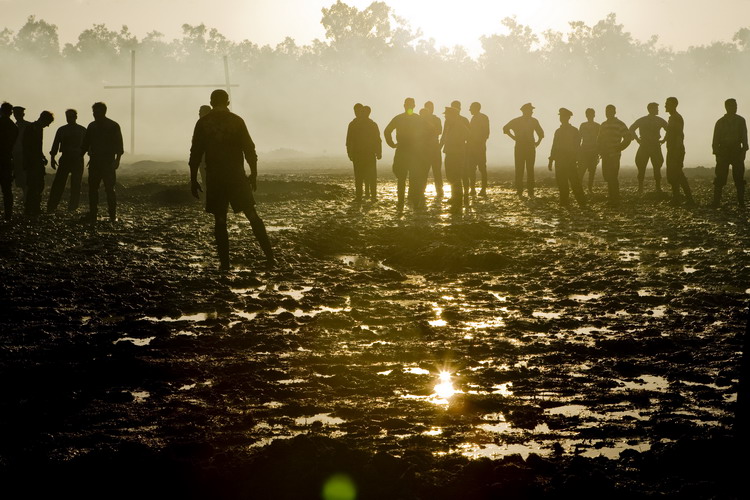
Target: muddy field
[(522, 350)]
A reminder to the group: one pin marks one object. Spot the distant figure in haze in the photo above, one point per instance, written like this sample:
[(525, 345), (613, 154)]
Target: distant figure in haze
[(613, 138), (675, 139), (222, 137), (730, 147), (203, 111), (479, 129), (434, 158), (522, 130), (19, 173), (589, 156), (34, 162), (409, 145), (371, 172), (68, 141), (453, 141), (364, 148), (8, 136), (647, 132), (565, 151), (103, 143), (457, 105)]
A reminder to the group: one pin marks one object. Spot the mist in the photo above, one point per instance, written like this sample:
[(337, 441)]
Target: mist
[(297, 99)]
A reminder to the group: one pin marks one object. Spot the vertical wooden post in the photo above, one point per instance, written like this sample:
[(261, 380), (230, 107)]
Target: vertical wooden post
[(132, 102)]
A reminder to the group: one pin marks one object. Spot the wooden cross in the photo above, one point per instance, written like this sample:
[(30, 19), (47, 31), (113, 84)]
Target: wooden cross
[(133, 86)]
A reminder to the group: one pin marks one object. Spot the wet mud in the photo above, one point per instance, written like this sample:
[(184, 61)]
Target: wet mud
[(520, 350)]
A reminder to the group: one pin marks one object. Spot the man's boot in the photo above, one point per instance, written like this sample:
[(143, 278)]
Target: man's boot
[(741, 195), (688, 193), (675, 195), (222, 247), (658, 186)]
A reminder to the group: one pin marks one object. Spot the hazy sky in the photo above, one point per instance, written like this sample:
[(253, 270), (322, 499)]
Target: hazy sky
[(679, 23)]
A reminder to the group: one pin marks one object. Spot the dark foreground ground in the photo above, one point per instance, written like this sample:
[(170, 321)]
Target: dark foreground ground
[(586, 354)]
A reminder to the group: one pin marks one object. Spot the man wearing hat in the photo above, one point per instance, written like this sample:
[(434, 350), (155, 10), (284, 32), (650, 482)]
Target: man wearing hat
[(614, 137), (566, 147), (522, 130), (453, 141), (411, 134)]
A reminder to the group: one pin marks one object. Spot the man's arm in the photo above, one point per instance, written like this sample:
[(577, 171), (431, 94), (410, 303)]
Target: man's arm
[(119, 147), (633, 128), (626, 136), (388, 131), (508, 130), (251, 156), (197, 150), (86, 142), (744, 135), (553, 151), (349, 135), (539, 131), (486, 127), (378, 141), (716, 143)]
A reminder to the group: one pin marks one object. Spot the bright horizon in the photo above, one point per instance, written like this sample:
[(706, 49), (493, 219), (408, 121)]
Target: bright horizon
[(678, 23)]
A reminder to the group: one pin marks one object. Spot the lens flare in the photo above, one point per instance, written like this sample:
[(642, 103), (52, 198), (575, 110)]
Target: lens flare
[(445, 389), (339, 487)]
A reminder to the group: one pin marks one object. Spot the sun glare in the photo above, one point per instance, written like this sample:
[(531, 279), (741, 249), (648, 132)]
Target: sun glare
[(445, 389)]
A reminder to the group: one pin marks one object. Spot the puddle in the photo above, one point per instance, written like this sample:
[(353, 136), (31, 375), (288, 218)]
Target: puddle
[(324, 418), (416, 371), (185, 317), (274, 229), (361, 262), (586, 297), (644, 383), (134, 341), (546, 315), (140, 396), (628, 255), (689, 270)]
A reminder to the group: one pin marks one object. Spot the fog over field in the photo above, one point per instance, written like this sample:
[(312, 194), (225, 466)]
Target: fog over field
[(299, 97)]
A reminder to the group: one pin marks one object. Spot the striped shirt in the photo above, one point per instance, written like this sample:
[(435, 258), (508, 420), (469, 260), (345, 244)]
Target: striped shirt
[(614, 136)]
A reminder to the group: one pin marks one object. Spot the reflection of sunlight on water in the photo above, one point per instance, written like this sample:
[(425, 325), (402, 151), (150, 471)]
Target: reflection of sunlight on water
[(434, 431), (503, 389), (416, 371), (586, 297), (445, 389), (645, 383), (546, 315), (442, 392), (385, 372), (134, 341), (184, 317), (324, 418)]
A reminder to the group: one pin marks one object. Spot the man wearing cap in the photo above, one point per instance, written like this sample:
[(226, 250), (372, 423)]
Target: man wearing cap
[(434, 157), (730, 147), (409, 157), (675, 139), (68, 140), (522, 130), (565, 152), (647, 133), (34, 162), (479, 133), (8, 136), (453, 141), (589, 156), (614, 137), (222, 137), (19, 174)]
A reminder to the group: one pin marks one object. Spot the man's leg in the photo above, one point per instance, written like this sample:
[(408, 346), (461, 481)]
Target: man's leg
[(657, 160), (221, 235), (110, 179), (34, 189), (530, 160), (721, 172), (483, 174), (372, 176), (58, 186), (610, 171), (76, 175), (358, 179), (520, 165), (562, 183), (738, 175), (259, 230), (641, 162), (437, 176), (574, 180), (95, 178), (6, 184)]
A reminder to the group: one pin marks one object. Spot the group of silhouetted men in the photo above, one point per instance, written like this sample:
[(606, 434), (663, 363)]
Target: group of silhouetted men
[(421, 141), (22, 159)]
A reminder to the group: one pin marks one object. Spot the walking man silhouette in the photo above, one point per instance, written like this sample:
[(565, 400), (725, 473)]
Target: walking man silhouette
[(522, 130), (730, 147), (565, 151), (223, 138), (589, 156), (675, 139), (479, 132), (68, 141)]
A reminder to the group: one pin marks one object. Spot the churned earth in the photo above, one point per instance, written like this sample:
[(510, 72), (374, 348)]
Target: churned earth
[(521, 350)]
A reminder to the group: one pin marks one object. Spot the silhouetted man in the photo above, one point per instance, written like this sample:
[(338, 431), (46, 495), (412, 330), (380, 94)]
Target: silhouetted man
[(8, 136), (34, 162), (203, 111), (103, 143), (589, 156), (647, 132), (730, 147), (364, 148), (371, 171), (68, 141), (477, 144), (453, 141), (522, 130), (434, 157), (408, 159), (614, 137), (675, 139), (565, 151), (223, 138), (457, 105), (18, 169)]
